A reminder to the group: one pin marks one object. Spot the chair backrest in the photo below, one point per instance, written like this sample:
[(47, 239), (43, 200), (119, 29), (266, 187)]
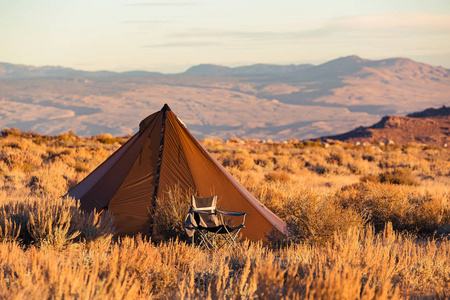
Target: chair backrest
[(206, 204)]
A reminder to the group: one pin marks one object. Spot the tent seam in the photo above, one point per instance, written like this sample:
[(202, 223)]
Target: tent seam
[(126, 175), (160, 158)]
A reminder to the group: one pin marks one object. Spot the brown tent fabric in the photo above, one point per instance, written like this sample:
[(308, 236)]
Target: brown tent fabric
[(160, 156)]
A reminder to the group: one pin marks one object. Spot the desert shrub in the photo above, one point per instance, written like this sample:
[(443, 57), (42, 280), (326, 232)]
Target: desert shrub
[(96, 228), (320, 161), (241, 161), (50, 180), (405, 208), (53, 223), (398, 176), (326, 169), (370, 178), (315, 217), (39, 140), (14, 217), (279, 176), (80, 167), (339, 158), (68, 138), (50, 223), (20, 160), (158, 268), (359, 263), (309, 144), (264, 161), (170, 214), (289, 163), (360, 167), (273, 193), (9, 230), (320, 169), (105, 138), (10, 131), (233, 140), (45, 273)]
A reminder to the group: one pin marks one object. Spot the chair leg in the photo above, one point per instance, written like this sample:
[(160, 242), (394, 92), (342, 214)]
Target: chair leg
[(233, 239), (205, 241), (208, 242), (230, 239), (214, 235)]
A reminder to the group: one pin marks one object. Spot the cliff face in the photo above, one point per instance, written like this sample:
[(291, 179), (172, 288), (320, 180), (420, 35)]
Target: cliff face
[(431, 126)]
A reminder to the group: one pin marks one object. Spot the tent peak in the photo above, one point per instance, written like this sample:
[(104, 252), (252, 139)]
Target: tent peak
[(166, 108), (144, 123)]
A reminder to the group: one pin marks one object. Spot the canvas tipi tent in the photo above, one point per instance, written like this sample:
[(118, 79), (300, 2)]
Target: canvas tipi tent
[(161, 155)]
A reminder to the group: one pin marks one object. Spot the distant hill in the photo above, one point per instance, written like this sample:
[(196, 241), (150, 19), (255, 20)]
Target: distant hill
[(260, 101), (253, 70), (22, 71), (431, 126), (432, 113)]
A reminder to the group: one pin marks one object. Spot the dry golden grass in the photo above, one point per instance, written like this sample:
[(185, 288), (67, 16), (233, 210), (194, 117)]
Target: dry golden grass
[(348, 239)]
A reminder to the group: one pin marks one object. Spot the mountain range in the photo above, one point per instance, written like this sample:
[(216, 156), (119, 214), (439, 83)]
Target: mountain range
[(253, 70), (260, 101), (22, 71)]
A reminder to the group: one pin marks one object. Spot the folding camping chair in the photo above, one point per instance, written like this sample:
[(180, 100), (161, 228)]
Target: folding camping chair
[(208, 221)]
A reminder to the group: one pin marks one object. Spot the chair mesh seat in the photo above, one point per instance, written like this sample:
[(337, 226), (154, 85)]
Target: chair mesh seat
[(205, 219), (221, 229)]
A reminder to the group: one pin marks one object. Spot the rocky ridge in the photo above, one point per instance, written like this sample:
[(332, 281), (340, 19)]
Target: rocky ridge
[(431, 126)]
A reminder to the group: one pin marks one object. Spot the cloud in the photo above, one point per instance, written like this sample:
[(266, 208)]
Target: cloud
[(366, 27), (184, 44), (145, 22), (395, 21), (162, 4), (253, 35), (83, 64)]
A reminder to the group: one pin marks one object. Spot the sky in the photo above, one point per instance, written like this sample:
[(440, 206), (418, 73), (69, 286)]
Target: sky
[(171, 36)]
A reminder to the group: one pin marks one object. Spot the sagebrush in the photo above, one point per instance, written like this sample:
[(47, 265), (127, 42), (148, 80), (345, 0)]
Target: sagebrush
[(364, 223)]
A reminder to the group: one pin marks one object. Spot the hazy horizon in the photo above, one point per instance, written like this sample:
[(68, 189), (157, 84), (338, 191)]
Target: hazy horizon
[(220, 65)]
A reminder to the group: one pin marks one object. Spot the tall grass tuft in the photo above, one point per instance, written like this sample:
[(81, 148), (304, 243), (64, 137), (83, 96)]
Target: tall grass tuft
[(51, 223), (315, 217), (170, 214), (405, 207), (54, 223), (348, 239)]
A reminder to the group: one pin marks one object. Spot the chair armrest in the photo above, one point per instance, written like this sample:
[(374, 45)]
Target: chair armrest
[(201, 212), (230, 213)]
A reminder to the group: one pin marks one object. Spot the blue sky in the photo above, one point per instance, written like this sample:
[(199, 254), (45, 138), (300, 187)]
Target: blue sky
[(170, 36)]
